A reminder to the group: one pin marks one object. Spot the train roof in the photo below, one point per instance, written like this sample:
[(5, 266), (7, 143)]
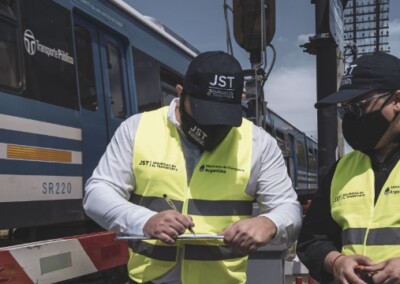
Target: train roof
[(157, 27), (288, 125)]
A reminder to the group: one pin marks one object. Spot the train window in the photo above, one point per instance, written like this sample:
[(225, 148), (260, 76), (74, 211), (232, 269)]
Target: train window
[(168, 86), (167, 94), (49, 62), (312, 163), (10, 71), (280, 138), (147, 79), (301, 155), (87, 84), (115, 80), (268, 128)]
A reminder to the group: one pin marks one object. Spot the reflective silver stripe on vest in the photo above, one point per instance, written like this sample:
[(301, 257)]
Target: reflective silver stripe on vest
[(381, 236), (157, 204), (353, 236), (166, 253), (384, 236), (220, 208), (196, 252)]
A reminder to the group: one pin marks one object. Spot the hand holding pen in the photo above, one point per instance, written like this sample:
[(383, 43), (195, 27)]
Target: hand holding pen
[(167, 225), (172, 205)]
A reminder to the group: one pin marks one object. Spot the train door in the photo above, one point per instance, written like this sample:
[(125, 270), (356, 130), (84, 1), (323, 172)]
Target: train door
[(102, 77)]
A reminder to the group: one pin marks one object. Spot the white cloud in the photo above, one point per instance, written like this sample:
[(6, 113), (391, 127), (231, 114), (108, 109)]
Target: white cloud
[(292, 94), (303, 38)]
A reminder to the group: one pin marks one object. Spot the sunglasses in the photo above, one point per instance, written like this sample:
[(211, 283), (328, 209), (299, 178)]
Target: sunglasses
[(356, 109)]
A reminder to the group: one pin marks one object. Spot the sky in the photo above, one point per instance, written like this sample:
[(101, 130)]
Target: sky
[(291, 87)]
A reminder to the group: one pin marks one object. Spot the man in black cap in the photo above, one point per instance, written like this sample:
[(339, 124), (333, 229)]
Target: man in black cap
[(200, 158), (351, 233)]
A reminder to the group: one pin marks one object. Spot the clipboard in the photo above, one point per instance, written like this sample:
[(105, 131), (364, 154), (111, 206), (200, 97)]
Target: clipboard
[(181, 237)]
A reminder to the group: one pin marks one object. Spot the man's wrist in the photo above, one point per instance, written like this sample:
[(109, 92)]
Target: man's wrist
[(331, 259)]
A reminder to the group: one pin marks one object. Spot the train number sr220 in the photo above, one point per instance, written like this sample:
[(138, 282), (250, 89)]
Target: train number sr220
[(56, 188)]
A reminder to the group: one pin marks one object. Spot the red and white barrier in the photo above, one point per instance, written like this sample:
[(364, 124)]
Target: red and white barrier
[(56, 260)]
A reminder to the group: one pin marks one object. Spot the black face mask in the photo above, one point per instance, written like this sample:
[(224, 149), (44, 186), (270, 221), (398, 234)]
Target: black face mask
[(365, 132), (208, 137)]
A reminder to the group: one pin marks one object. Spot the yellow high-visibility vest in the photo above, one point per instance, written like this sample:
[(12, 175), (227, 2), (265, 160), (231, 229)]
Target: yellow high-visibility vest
[(368, 229), (215, 198)]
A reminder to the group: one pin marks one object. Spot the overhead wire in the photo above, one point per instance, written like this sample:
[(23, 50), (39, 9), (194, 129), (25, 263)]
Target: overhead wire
[(229, 46)]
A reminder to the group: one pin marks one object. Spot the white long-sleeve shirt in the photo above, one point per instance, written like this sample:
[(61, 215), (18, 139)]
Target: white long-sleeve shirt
[(108, 190)]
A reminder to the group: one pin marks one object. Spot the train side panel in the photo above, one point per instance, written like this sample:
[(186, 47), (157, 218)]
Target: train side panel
[(41, 131)]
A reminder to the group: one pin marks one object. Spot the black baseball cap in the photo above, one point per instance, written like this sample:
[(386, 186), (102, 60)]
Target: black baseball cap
[(378, 71), (214, 84)]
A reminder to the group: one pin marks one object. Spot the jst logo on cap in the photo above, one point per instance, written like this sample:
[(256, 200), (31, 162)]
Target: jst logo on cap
[(214, 84), (348, 75), (221, 87), (221, 80)]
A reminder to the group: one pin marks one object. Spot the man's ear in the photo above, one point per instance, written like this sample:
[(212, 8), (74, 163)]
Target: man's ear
[(179, 89), (396, 101)]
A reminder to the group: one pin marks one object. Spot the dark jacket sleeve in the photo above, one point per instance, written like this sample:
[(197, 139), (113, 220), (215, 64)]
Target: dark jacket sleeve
[(320, 234)]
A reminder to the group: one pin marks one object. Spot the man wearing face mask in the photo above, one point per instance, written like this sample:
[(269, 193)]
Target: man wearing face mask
[(212, 164), (351, 233)]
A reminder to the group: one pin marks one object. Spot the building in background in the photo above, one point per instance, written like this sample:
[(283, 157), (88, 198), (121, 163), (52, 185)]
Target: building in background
[(366, 28)]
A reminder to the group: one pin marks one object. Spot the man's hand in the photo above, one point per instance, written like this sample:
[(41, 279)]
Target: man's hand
[(385, 272), (343, 267), (167, 226), (248, 235)]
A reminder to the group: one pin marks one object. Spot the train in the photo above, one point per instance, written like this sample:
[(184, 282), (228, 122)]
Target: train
[(70, 72), (299, 150)]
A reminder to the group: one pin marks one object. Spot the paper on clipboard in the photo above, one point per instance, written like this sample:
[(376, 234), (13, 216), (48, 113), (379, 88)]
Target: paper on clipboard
[(181, 237)]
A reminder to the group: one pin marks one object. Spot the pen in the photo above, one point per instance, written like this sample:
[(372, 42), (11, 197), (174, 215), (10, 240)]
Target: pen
[(172, 205)]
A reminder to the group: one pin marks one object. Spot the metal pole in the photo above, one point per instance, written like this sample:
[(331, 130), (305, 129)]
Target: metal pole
[(326, 54)]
